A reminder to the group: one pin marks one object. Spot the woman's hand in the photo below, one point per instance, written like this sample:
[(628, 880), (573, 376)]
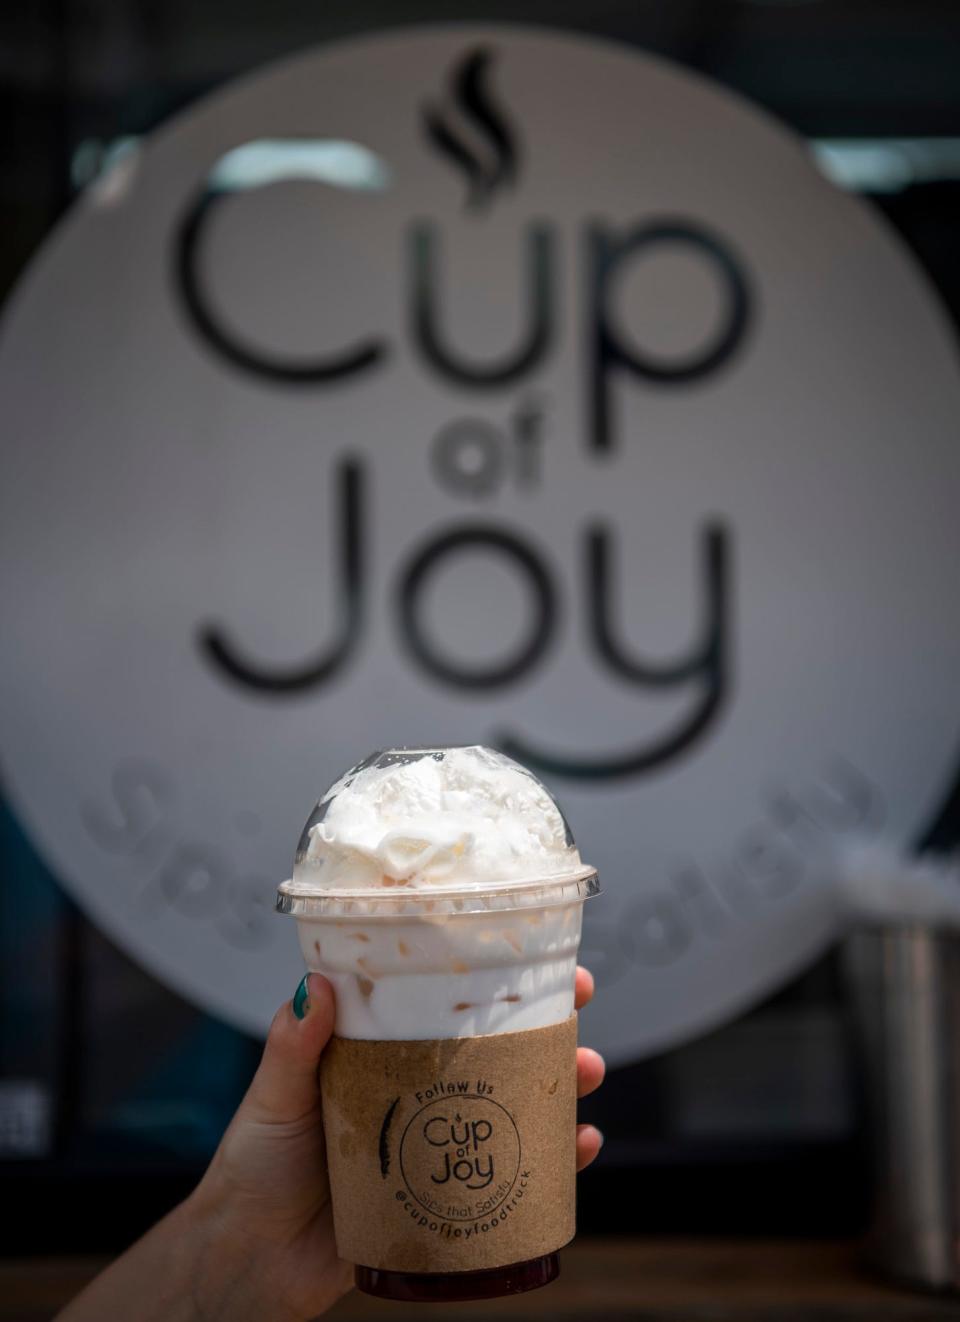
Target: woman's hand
[(590, 1072), (255, 1239)]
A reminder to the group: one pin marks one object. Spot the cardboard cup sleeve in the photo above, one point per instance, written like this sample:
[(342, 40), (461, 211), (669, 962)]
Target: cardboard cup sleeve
[(452, 1155)]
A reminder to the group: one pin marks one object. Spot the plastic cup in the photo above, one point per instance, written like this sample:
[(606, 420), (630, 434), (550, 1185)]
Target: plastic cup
[(445, 955)]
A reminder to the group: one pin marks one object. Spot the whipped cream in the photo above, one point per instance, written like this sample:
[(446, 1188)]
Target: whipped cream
[(433, 819)]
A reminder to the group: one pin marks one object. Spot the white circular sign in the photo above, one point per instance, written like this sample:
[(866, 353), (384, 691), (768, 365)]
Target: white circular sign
[(478, 385)]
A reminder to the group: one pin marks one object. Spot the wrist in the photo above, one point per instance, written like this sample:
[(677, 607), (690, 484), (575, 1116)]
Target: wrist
[(224, 1271), (197, 1258), (205, 1260)]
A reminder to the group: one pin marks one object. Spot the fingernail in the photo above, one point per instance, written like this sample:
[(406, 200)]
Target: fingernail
[(599, 1136), (301, 997)]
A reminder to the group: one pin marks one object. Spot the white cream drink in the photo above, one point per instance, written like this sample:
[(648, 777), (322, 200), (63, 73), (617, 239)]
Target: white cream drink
[(447, 897), (441, 892)]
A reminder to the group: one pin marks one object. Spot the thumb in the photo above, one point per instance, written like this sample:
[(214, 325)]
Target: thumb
[(285, 1087)]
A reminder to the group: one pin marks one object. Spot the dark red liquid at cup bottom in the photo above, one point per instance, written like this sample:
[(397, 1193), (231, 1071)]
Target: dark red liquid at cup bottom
[(452, 1287)]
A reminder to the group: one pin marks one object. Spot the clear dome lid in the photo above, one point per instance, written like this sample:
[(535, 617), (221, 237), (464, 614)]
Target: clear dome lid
[(409, 826)]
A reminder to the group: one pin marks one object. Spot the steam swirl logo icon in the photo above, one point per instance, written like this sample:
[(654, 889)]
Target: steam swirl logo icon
[(473, 133)]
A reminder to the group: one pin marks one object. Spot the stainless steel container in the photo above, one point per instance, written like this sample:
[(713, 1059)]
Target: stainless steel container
[(904, 985)]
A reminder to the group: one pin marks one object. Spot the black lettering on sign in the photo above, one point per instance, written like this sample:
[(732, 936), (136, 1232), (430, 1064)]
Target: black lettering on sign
[(609, 354), (707, 665), (188, 251), (467, 457), (543, 616), (225, 656), (425, 317)]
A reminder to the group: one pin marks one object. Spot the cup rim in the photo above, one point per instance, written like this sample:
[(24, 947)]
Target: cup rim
[(535, 893)]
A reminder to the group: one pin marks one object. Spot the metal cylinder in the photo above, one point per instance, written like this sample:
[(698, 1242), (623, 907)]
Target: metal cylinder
[(904, 987)]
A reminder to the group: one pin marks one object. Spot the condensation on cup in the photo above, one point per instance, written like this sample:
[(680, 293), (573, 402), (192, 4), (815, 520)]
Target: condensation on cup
[(441, 892)]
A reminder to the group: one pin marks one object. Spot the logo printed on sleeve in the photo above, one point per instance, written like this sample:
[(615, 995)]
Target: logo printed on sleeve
[(460, 1156)]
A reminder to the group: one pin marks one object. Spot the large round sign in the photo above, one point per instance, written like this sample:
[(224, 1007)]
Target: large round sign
[(478, 385)]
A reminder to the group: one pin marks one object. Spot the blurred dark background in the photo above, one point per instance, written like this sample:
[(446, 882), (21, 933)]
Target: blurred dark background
[(113, 1090)]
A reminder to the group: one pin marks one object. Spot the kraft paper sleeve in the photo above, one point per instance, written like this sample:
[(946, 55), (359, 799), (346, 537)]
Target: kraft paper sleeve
[(452, 1155)]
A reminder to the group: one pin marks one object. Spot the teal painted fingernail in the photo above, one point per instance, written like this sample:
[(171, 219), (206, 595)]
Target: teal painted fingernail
[(301, 997)]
